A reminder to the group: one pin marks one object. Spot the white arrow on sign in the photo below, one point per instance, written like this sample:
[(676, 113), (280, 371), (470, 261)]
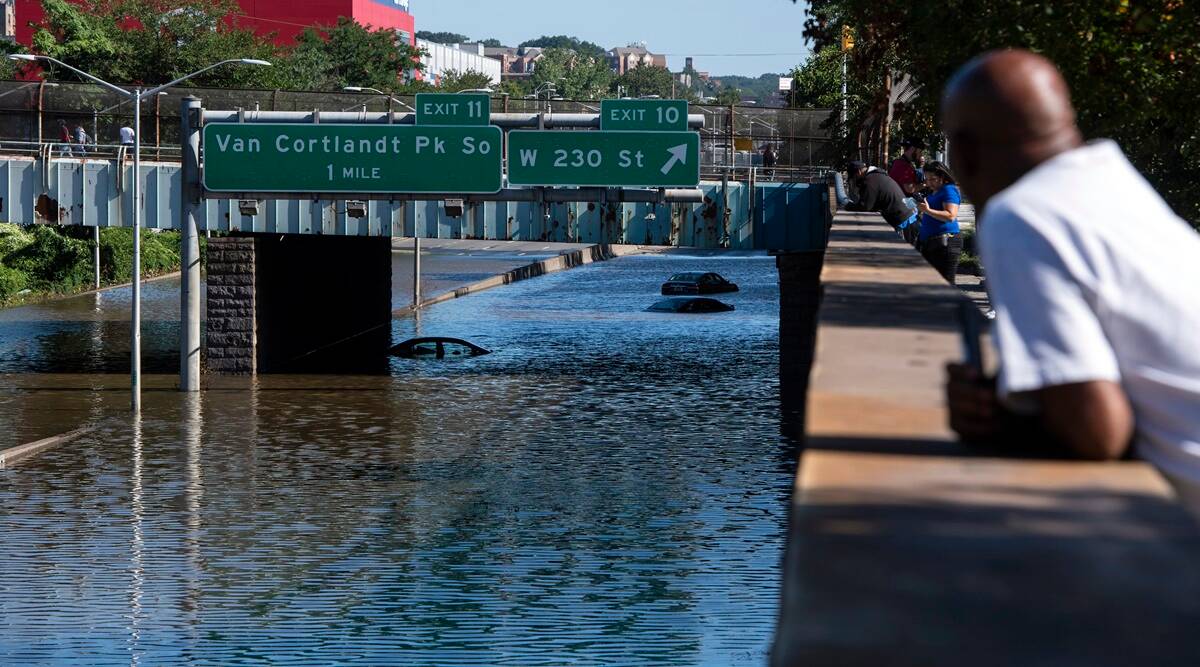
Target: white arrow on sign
[(678, 154)]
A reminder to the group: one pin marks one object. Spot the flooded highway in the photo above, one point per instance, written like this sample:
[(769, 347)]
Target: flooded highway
[(608, 487)]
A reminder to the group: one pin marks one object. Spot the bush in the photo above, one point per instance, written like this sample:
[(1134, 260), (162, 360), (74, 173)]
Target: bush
[(59, 260), (13, 238), (53, 262), (160, 253), (11, 282)]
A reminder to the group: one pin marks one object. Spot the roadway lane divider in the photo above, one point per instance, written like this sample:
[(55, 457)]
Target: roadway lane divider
[(568, 259), (12, 455)]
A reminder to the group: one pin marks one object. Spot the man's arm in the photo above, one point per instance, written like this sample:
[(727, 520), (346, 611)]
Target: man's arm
[(1094, 419)]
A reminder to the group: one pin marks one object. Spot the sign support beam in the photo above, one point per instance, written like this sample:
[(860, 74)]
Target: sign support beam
[(189, 306)]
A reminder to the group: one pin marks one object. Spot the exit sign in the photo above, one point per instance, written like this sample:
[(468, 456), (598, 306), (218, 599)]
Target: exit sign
[(341, 158), (453, 109), (644, 115)]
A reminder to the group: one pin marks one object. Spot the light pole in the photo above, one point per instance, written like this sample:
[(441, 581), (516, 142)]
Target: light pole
[(365, 89), (135, 345)]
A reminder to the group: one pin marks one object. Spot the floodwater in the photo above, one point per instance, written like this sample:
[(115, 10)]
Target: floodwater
[(608, 487)]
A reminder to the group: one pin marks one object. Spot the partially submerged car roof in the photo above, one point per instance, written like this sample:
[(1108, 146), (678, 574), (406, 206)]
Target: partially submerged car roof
[(695, 304), (405, 349)]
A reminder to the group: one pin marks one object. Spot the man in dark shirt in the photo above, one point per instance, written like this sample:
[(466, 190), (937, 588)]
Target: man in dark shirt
[(878, 192)]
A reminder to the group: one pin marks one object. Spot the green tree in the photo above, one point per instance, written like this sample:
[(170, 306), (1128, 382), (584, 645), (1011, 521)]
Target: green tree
[(818, 82), (491, 42), (454, 81), (568, 43), (575, 76), (1134, 68), (646, 80), (762, 88), (442, 37), (729, 96), (150, 41), (348, 54), (514, 88)]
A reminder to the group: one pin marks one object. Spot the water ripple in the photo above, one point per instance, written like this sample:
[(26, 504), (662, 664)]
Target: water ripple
[(608, 488)]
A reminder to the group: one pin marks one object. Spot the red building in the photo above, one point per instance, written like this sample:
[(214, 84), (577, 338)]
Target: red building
[(285, 18), (288, 18)]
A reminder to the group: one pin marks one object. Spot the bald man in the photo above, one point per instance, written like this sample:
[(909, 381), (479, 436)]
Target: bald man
[(1095, 281)]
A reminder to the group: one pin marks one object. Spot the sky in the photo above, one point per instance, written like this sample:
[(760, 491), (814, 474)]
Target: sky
[(747, 37)]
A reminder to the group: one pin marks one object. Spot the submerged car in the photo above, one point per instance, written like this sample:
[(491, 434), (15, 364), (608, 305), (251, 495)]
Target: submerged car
[(690, 305), (437, 348), (697, 283)]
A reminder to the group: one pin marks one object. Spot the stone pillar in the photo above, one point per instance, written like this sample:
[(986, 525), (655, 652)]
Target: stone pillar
[(231, 338), (799, 306)]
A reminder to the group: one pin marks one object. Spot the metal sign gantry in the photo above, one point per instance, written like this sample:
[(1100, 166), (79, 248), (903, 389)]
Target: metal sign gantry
[(452, 147)]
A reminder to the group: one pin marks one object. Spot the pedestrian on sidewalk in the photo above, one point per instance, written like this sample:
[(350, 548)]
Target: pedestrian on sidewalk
[(769, 160), (940, 240), (64, 136), (81, 140), (905, 169), (1095, 325)]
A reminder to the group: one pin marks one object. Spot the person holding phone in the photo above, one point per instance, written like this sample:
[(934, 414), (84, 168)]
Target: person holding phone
[(939, 239)]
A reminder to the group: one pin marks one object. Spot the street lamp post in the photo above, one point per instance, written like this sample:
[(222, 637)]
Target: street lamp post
[(365, 89), (135, 352)]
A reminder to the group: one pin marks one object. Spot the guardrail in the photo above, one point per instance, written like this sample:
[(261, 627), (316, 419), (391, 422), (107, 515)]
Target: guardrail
[(62, 149), (759, 174)]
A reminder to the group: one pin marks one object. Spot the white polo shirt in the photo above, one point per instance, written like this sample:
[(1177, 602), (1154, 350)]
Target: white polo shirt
[(1093, 277)]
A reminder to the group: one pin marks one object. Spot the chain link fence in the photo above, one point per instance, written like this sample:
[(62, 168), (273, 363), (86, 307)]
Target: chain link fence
[(733, 138)]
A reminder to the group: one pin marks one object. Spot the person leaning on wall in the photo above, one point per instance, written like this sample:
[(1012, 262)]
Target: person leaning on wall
[(1092, 275)]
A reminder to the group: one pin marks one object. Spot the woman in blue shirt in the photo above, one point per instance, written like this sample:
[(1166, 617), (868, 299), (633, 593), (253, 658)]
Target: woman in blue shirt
[(939, 240)]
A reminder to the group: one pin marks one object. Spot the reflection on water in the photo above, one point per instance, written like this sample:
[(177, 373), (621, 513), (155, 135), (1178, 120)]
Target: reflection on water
[(608, 487)]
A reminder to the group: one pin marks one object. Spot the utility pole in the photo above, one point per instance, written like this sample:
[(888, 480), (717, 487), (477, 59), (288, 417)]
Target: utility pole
[(847, 46)]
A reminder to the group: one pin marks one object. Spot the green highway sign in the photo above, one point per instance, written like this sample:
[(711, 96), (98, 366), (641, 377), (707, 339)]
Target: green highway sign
[(336, 158), (453, 108), (605, 159), (644, 115)]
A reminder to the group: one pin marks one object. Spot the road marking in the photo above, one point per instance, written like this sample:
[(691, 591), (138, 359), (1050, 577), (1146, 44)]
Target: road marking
[(14, 454)]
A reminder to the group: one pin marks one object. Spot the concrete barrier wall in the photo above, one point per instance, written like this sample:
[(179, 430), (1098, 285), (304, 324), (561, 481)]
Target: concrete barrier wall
[(907, 547), (97, 193)]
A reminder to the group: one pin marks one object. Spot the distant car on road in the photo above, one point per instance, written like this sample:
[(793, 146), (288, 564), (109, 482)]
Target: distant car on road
[(692, 304), (437, 348), (697, 283)]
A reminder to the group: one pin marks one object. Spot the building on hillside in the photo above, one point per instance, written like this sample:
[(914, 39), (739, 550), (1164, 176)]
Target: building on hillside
[(625, 58), (441, 58), (285, 19), (515, 62)]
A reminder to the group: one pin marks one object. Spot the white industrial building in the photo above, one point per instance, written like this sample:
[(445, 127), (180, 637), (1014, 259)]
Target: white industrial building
[(442, 58)]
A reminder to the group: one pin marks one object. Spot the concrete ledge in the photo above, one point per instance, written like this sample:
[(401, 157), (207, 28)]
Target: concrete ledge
[(14, 454), (561, 262), (906, 547)]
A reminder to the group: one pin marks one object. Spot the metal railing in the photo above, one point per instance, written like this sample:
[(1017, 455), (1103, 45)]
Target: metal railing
[(758, 173), (90, 151)]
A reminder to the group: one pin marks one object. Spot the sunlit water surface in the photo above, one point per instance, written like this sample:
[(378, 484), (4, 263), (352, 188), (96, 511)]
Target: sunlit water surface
[(608, 487)]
